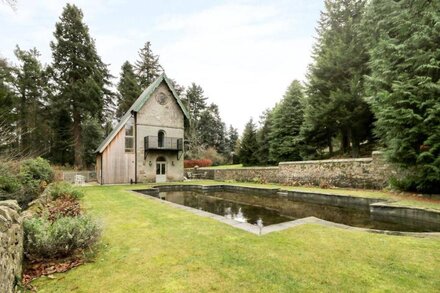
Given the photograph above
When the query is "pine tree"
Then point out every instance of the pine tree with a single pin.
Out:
(92, 136)
(128, 89)
(405, 86)
(231, 138)
(212, 129)
(82, 79)
(147, 67)
(30, 89)
(263, 138)
(248, 145)
(287, 118)
(335, 89)
(8, 117)
(195, 102)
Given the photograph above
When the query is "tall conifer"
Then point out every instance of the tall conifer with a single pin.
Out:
(80, 75)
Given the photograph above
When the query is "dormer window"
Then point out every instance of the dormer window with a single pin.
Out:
(129, 136)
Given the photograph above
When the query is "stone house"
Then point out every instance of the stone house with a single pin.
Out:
(147, 144)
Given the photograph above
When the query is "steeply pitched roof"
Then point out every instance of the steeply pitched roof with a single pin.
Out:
(137, 106)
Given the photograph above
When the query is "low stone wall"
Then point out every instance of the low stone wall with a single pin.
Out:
(371, 172)
(251, 174)
(11, 245)
(356, 173)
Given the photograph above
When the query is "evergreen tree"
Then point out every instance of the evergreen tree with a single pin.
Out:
(147, 67)
(62, 149)
(405, 86)
(195, 103)
(248, 145)
(287, 118)
(335, 88)
(263, 138)
(29, 84)
(7, 108)
(92, 136)
(128, 89)
(212, 129)
(80, 76)
(231, 138)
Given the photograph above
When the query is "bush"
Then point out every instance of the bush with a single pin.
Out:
(64, 189)
(212, 155)
(9, 182)
(35, 174)
(60, 238)
(200, 163)
(36, 170)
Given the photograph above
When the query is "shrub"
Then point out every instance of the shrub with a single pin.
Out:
(64, 189)
(9, 182)
(60, 238)
(212, 155)
(200, 163)
(62, 207)
(35, 174)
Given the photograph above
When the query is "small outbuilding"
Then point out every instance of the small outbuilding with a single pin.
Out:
(147, 145)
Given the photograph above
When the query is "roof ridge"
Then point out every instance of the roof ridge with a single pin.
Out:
(138, 104)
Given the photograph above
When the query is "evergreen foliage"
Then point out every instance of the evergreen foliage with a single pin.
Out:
(92, 135)
(263, 138)
(147, 67)
(231, 140)
(405, 86)
(286, 120)
(128, 89)
(248, 145)
(335, 89)
(31, 92)
(212, 129)
(80, 76)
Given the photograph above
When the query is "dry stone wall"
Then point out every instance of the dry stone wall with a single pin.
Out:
(11, 245)
(371, 172)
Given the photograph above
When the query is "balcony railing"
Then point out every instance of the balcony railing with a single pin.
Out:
(165, 143)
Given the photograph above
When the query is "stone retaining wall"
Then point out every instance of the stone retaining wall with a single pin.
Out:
(11, 245)
(355, 173)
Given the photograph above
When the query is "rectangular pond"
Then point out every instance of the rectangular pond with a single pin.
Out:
(248, 207)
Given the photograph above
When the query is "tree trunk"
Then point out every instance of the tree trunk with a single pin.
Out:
(345, 141)
(355, 145)
(330, 145)
(24, 141)
(77, 139)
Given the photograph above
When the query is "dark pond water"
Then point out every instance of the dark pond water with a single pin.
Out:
(274, 209)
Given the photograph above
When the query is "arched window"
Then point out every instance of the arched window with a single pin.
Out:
(161, 138)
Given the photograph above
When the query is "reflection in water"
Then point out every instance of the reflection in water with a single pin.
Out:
(272, 209)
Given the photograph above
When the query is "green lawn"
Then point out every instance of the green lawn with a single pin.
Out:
(148, 246)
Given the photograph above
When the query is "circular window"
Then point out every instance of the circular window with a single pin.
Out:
(161, 98)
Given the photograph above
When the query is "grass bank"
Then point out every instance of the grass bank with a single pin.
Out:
(148, 246)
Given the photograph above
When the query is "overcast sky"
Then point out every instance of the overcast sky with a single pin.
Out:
(243, 53)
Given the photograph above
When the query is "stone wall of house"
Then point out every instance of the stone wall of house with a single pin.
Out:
(356, 173)
(11, 245)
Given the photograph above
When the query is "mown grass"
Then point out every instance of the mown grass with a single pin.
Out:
(148, 246)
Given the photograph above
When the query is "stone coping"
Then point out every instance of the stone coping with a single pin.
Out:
(327, 161)
(254, 229)
(237, 169)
